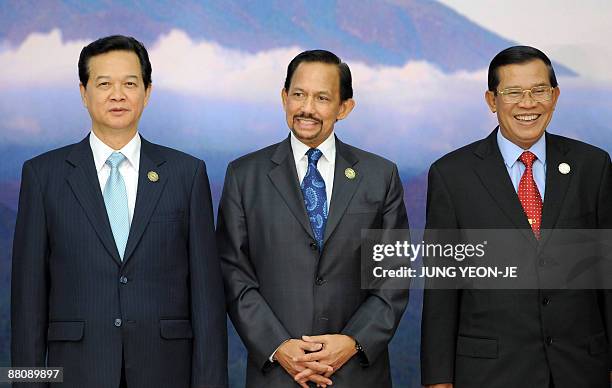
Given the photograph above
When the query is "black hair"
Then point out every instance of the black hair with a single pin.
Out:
(323, 56)
(518, 55)
(114, 43)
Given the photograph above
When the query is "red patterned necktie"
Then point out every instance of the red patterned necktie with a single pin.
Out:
(529, 195)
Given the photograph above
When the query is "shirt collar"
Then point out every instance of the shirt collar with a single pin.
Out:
(511, 152)
(327, 148)
(101, 151)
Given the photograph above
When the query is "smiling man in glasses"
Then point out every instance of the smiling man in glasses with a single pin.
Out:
(519, 177)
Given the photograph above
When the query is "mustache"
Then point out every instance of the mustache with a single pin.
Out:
(307, 117)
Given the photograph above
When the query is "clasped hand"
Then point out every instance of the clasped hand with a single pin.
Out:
(327, 354)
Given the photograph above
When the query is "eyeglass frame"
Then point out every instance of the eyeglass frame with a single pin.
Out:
(530, 90)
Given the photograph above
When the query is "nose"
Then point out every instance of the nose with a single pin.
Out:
(308, 105)
(117, 93)
(527, 100)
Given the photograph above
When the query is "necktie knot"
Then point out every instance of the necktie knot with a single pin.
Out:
(527, 158)
(314, 154)
(115, 159)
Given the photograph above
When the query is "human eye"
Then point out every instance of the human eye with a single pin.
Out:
(540, 91)
(323, 98)
(513, 92)
(130, 84)
(103, 84)
(297, 94)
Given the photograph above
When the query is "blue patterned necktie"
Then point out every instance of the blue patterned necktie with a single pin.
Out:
(115, 199)
(315, 197)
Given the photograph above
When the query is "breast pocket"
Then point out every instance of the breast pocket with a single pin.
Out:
(176, 216)
(362, 209)
(583, 220)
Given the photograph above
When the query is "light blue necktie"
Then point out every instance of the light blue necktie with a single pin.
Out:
(115, 199)
(315, 197)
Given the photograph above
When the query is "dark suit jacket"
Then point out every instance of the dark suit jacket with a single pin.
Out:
(75, 304)
(502, 338)
(279, 287)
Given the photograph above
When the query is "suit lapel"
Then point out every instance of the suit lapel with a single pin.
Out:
(556, 183)
(343, 189)
(148, 193)
(83, 181)
(493, 175)
(285, 179)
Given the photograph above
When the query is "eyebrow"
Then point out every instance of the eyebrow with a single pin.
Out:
(316, 92)
(532, 86)
(108, 77)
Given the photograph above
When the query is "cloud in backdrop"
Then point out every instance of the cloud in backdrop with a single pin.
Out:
(200, 87)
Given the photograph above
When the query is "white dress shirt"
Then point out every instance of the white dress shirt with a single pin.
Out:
(325, 165)
(128, 169)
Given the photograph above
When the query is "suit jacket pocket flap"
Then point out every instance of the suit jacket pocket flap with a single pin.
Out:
(176, 329)
(477, 347)
(168, 217)
(598, 344)
(65, 331)
(362, 208)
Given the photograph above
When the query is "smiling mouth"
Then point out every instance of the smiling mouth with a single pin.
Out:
(527, 118)
(306, 121)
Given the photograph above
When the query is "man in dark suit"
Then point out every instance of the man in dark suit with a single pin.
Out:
(288, 232)
(519, 177)
(115, 275)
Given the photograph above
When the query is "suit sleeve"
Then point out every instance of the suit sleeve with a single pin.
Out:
(253, 319)
(440, 306)
(29, 282)
(375, 321)
(604, 221)
(209, 361)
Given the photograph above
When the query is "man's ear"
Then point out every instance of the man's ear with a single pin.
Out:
(284, 97)
(83, 94)
(346, 107)
(490, 99)
(148, 94)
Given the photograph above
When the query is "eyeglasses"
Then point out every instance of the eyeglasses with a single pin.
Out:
(514, 95)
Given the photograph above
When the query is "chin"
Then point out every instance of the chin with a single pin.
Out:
(305, 135)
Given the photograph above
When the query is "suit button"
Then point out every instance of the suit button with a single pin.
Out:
(320, 281)
(545, 301)
(118, 322)
(314, 246)
(123, 280)
(549, 341)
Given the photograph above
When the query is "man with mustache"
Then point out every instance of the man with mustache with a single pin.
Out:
(116, 276)
(520, 177)
(289, 232)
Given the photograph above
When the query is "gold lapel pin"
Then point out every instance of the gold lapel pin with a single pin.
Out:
(531, 221)
(350, 173)
(564, 168)
(152, 175)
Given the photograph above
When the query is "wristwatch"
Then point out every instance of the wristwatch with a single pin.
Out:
(358, 347)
